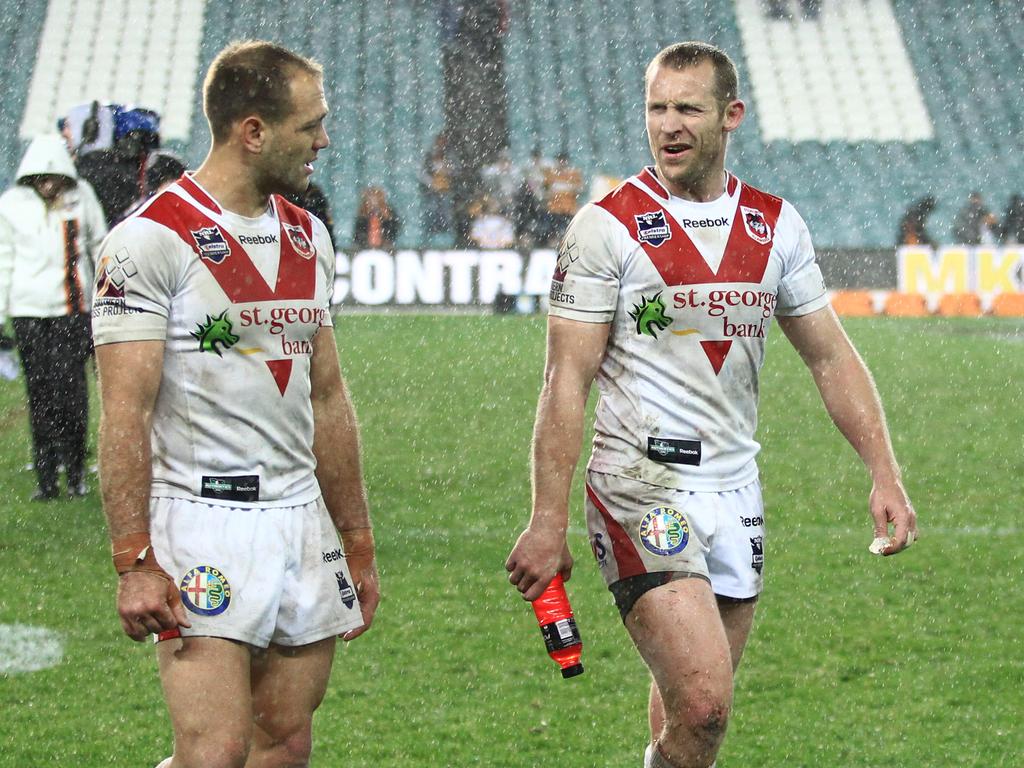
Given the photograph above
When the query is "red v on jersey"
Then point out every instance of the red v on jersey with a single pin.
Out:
(227, 260)
(677, 259)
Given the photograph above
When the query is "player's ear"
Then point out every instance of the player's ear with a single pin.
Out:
(252, 133)
(734, 112)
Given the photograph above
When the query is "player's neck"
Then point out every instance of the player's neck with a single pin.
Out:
(231, 186)
(708, 187)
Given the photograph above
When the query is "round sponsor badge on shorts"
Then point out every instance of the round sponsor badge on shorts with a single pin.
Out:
(205, 590)
(664, 531)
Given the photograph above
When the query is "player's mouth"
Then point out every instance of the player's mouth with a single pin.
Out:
(674, 151)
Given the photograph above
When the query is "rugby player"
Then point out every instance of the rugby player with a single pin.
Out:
(664, 292)
(229, 448)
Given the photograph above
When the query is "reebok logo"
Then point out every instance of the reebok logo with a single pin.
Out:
(700, 223)
(257, 240)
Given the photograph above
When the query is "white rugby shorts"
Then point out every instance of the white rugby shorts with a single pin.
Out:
(637, 528)
(260, 576)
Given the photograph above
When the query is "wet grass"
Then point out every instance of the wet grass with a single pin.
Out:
(855, 661)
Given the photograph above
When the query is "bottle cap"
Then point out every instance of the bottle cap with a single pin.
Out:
(575, 669)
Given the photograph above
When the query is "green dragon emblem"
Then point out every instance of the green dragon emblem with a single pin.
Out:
(650, 315)
(216, 330)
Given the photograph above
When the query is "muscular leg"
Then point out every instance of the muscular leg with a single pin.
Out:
(288, 685)
(678, 630)
(206, 682)
(737, 618)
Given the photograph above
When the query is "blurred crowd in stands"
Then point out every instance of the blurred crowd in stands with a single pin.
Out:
(515, 207)
(975, 223)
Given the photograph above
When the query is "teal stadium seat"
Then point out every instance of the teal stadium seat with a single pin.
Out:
(574, 79)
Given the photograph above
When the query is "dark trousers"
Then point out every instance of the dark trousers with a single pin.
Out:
(53, 352)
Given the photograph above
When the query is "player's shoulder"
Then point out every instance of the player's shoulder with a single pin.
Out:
(142, 232)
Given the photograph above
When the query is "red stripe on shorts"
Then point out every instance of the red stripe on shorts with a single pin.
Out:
(626, 557)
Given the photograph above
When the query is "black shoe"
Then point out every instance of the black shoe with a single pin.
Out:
(77, 490)
(45, 493)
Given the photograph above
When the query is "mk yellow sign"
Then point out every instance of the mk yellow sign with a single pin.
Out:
(961, 269)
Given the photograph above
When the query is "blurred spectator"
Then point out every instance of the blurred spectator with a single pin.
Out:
(436, 180)
(51, 225)
(162, 170)
(536, 171)
(501, 181)
(314, 200)
(491, 227)
(377, 225)
(975, 224)
(528, 216)
(913, 225)
(562, 186)
(117, 174)
(1012, 229)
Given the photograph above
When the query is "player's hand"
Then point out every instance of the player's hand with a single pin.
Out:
(363, 569)
(535, 559)
(889, 505)
(149, 603)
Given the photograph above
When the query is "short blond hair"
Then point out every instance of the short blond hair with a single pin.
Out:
(693, 53)
(251, 77)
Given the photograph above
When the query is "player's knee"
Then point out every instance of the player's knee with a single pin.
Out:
(286, 748)
(214, 751)
(295, 749)
(700, 723)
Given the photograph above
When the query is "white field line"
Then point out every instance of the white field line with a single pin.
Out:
(25, 648)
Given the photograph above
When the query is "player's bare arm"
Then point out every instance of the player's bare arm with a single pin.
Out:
(852, 401)
(574, 353)
(339, 472)
(129, 374)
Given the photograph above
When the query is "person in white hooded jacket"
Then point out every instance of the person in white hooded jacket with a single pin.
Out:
(51, 226)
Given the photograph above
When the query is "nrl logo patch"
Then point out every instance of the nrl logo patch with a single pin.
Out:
(755, 224)
(211, 244)
(652, 227)
(757, 553)
(299, 241)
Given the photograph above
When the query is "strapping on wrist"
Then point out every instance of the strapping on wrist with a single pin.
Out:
(133, 553)
(358, 540)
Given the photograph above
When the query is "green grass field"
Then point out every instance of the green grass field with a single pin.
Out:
(855, 661)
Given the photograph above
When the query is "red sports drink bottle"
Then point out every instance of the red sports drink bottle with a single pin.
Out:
(562, 638)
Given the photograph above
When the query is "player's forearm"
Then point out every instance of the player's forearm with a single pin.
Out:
(339, 471)
(126, 471)
(557, 439)
(852, 401)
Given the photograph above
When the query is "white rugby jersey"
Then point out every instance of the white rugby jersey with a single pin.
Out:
(690, 290)
(237, 302)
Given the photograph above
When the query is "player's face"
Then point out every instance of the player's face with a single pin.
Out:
(686, 128)
(296, 140)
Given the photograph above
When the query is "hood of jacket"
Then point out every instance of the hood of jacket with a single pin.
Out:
(47, 154)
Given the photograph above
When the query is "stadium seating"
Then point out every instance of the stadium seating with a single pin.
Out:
(935, 78)
(125, 52)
